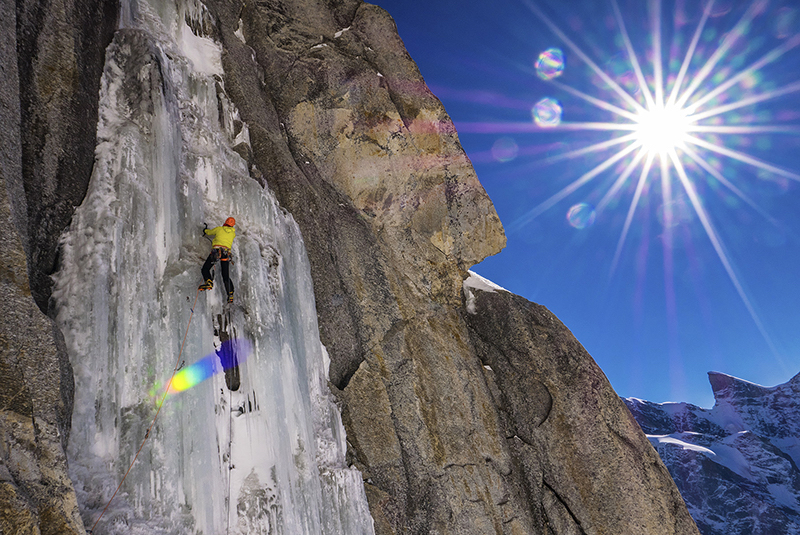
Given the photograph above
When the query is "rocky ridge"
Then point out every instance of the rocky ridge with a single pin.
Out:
(735, 464)
(51, 59)
(578, 451)
(467, 410)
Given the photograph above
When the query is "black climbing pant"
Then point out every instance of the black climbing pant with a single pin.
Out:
(224, 257)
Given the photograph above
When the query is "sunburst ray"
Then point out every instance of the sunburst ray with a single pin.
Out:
(580, 181)
(578, 52)
(602, 104)
(745, 129)
(637, 68)
(690, 53)
(658, 66)
(716, 243)
(596, 147)
(620, 181)
(742, 157)
(675, 122)
(765, 60)
(634, 203)
(749, 101)
(727, 183)
(728, 41)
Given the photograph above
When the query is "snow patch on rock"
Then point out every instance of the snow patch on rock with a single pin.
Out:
(476, 282)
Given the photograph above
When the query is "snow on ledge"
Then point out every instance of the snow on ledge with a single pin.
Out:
(476, 282)
(479, 283)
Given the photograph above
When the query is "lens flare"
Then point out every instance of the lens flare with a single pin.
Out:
(547, 112)
(581, 216)
(787, 22)
(721, 7)
(550, 64)
(674, 119)
(505, 149)
(230, 354)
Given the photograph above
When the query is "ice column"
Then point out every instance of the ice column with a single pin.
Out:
(266, 457)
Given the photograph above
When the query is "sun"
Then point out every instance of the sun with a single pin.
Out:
(681, 119)
(662, 128)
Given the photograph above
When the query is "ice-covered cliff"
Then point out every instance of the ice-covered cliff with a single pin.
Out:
(266, 457)
(735, 464)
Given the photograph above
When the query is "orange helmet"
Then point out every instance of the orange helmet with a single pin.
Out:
(230, 222)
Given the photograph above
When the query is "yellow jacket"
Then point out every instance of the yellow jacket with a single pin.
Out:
(223, 236)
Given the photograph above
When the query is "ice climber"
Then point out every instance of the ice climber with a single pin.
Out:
(220, 250)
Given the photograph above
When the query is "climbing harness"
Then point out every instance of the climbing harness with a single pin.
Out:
(223, 253)
(178, 365)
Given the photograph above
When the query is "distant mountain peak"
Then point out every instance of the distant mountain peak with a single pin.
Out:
(726, 386)
(736, 464)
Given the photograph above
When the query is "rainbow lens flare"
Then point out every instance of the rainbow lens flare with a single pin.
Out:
(581, 215)
(547, 112)
(230, 354)
(550, 64)
(505, 149)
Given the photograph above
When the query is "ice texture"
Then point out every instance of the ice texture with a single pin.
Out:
(268, 457)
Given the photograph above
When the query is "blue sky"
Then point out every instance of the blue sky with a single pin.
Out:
(706, 277)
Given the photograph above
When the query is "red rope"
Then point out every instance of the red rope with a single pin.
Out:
(164, 397)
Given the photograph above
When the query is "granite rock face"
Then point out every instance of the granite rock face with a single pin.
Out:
(346, 132)
(356, 147)
(578, 454)
(735, 464)
(50, 59)
(36, 494)
(60, 51)
(366, 159)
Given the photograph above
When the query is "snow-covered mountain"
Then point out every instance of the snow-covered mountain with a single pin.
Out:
(735, 464)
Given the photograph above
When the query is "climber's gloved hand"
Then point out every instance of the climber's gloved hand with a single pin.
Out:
(205, 227)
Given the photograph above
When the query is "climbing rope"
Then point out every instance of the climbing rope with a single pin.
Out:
(230, 455)
(163, 398)
(230, 430)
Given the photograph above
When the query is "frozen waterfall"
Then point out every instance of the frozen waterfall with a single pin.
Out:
(266, 457)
